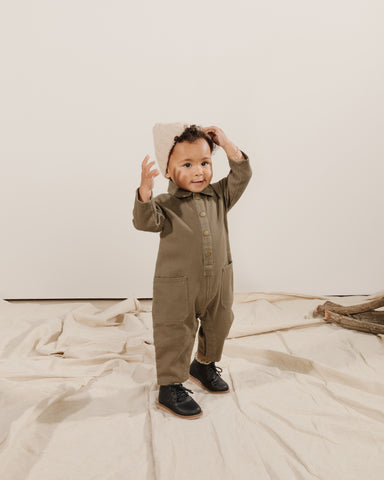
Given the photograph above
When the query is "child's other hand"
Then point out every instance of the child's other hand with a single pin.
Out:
(217, 135)
(147, 179)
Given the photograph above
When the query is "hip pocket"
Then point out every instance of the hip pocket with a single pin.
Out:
(170, 299)
(226, 293)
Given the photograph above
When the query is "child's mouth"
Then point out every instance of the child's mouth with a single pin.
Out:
(199, 183)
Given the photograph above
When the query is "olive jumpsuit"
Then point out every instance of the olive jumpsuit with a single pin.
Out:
(193, 276)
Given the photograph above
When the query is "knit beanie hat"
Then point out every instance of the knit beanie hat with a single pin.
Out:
(164, 137)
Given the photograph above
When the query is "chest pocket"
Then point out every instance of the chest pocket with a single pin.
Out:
(226, 293)
(170, 300)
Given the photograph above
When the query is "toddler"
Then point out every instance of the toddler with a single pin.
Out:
(193, 278)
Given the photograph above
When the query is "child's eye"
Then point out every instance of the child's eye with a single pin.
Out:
(187, 164)
(206, 163)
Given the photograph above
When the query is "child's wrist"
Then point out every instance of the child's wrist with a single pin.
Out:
(233, 151)
(144, 194)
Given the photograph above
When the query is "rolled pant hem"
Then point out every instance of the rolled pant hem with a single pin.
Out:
(215, 359)
(169, 380)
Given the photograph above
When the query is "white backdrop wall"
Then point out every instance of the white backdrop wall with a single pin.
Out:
(297, 85)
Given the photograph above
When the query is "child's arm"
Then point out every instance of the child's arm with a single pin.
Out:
(232, 186)
(147, 214)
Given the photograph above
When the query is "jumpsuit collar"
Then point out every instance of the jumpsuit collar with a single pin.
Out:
(173, 189)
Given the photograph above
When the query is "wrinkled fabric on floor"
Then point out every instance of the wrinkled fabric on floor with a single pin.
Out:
(78, 391)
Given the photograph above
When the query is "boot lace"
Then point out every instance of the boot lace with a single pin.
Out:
(214, 371)
(181, 392)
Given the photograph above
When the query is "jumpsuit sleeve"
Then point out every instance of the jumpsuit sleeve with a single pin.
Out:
(234, 184)
(147, 216)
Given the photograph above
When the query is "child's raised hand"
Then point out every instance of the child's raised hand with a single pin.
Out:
(147, 179)
(217, 135)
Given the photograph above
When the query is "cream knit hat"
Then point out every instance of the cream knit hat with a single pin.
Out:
(164, 137)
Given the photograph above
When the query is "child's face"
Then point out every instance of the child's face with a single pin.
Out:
(190, 165)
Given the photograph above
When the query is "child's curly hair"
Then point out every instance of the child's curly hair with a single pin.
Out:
(191, 134)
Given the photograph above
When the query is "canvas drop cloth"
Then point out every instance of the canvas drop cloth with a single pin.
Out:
(78, 391)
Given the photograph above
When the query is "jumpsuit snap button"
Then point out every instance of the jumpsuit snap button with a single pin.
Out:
(202, 214)
(206, 233)
(207, 254)
(197, 196)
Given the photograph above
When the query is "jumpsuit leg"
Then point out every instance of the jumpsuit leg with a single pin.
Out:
(217, 318)
(174, 328)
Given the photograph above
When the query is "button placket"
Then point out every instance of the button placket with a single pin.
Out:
(204, 224)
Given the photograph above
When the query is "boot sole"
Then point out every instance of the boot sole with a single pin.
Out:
(197, 381)
(188, 417)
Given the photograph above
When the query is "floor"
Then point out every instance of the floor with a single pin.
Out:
(102, 304)
(79, 395)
